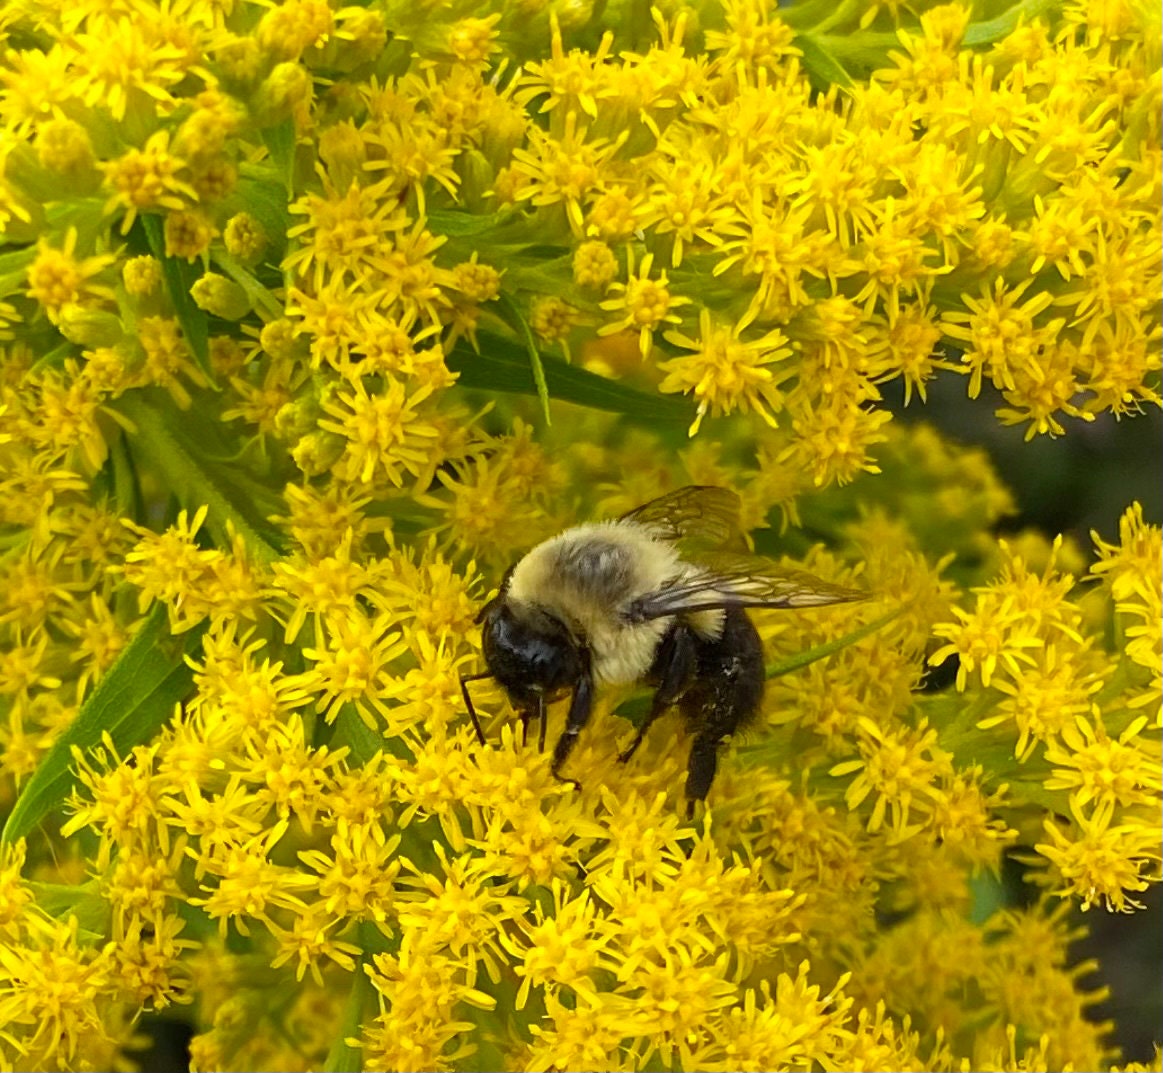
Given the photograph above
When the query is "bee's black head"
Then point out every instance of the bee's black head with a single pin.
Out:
(528, 651)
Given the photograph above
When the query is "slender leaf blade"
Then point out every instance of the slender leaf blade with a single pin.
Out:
(343, 1058)
(131, 703)
(180, 276)
(280, 141)
(809, 656)
(503, 366)
(986, 33)
(517, 320)
(822, 66)
(194, 477)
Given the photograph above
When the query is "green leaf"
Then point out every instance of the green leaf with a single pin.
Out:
(987, 895)
(180, 276)
(55, 358)
(126, 494)
(463, 224)
(503, 366)
(342, 1057)
(516, 320)
(178, 448)
(131, 702)
(803, 659)
(823, 68)
(986, 33)
(260, 296)
(856, 55)
(14, 268)
(83, 901)
(351, 731)
(264, 196)
(280, 142)
(86, 214)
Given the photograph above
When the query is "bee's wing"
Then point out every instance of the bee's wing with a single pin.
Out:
(739, 581)
(701, 513)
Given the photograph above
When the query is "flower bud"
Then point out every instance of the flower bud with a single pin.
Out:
(284, 91)
(89, 327)
(220, 296)
(244, 237)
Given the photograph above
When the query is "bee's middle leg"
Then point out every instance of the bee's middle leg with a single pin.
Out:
(673, 669)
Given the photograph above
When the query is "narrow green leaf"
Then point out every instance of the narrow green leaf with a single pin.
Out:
(260, 296)
(986, 33)
(193, 476)
(855, 55)
(126, 494)
(264, 196)
(463, 224)
(351, 731)
(516, 320)
(83, 901)
(55, 358)
(280, 142)
(131, 702)
(14, 266)
(86, 214)
(343, 1058)
(180, 276)
(823, 68)
(503, 366)
(830, 648)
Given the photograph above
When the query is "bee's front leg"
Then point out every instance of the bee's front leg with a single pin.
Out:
(580, 708)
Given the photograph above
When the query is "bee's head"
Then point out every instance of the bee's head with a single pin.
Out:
(529, 652)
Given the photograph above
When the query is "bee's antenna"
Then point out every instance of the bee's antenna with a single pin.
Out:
(472, 712)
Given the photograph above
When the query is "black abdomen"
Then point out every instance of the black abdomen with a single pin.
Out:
(723, 697)
(728, 681)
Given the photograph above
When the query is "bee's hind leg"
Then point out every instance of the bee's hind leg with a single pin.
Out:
(723, 700)
(673, 668)
(701, 768)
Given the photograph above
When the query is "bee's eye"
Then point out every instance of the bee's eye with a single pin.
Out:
(529, 653)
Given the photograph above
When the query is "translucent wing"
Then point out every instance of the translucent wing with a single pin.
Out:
(739, 581)
(699, 513)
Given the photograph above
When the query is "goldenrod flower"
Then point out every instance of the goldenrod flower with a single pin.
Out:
(564, 170)
(645, 303)
(900, 767)
(727, 373)
(277, 279)
(147, 178)
(56, 279)
(1105, 861)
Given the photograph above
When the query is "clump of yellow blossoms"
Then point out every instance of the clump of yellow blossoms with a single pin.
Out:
(274, 280)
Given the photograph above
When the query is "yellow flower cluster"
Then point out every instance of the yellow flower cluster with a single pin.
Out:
(273, 277)
(1073, 708)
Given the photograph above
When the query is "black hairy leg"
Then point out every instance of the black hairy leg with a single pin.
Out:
(580, 707)
(671, 672)
(722, 698)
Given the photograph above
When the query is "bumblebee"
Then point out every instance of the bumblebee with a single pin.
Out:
(651, 598)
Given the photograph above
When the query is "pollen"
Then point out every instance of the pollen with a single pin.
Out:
(473, 40)
(56, 278)
(645, 303)
(147, 178)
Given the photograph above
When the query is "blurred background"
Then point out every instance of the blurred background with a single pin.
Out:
(1076, 483)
